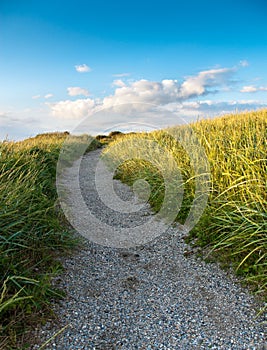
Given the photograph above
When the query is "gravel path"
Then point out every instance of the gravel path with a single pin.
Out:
(150, 296)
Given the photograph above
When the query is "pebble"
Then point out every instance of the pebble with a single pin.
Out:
(150, 296)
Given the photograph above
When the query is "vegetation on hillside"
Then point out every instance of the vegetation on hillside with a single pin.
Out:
(32, 233)
(233, 227)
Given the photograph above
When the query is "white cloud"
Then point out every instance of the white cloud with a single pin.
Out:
(48, 96)
(119, 83)
(17, 126)
(251, 88)
(168, 94)
(244, 63)
(190, 110)
(72, 109)
(199, 84)
(169, 90)
(83, 68)
(76, 91)
(39, 96)
(142, 91)
(154, 103)
(3, 118)
(248, 89)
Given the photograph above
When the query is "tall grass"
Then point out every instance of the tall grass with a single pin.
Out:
(32, 233)
(235, 222)
(233, 227)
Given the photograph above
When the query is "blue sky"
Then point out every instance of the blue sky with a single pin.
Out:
(63, 62)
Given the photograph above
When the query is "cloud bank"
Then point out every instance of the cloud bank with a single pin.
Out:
(163, 93)
(136, 103)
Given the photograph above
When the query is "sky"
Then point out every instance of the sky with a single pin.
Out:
(124, 64)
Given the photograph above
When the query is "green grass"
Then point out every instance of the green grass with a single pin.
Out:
(233, 227)
(32, 233)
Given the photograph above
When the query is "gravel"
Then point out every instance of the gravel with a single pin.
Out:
(155, 295)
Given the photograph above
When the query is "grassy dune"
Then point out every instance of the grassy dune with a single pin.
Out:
(233, 227)
(32, 233)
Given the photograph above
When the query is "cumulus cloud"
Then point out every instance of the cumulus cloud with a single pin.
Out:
(154, 103)
(146, 95)
(251, 88)
(199, 84)
(83, 68)
(72, 109)
(169, 90)
(76, 91)
(138, 91)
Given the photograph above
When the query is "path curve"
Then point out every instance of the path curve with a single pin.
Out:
(153, 296)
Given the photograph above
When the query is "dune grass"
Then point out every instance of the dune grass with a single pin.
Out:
(235, 222)
(32, 234)
(233, 227)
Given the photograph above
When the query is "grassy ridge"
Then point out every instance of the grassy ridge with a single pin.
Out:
(31, 232)
(234, 224)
